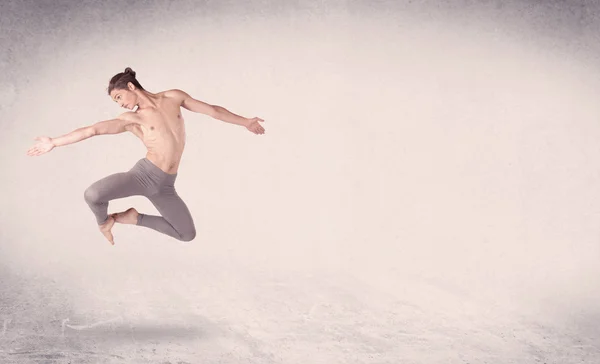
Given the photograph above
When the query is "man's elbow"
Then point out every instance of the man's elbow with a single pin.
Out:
(214, 111)
(90, 131)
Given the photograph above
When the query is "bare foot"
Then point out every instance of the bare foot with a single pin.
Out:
(129, 216)
(106, 227)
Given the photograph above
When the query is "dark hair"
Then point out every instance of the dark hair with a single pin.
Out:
(120, 80)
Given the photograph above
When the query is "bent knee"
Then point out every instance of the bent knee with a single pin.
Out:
(91, 195)
(188, 235)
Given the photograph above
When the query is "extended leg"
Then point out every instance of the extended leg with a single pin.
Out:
(176, 220)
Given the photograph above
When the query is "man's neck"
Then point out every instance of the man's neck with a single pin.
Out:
(145, 100)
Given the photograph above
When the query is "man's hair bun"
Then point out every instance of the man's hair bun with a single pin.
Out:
(130, 71)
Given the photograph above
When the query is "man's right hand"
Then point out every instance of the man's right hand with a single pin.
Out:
(44, 145)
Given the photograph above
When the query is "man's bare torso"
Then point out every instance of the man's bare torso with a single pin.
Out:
(162, 130)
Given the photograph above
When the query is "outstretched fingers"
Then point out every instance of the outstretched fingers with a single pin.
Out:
(256, 127)
(32, 151)
(35, 151)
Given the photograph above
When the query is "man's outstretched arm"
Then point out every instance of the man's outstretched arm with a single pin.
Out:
(113, 126)
(217, 112)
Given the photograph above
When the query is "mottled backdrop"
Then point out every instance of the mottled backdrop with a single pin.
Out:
(427, 191)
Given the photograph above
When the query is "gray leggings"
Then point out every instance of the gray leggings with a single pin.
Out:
(145, 179)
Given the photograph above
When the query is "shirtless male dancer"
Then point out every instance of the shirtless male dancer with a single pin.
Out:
(157, 121)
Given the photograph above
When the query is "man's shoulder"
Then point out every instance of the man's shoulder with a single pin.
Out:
(129, 116)
(175, 94)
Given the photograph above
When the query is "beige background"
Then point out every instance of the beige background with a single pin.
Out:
(426, 191)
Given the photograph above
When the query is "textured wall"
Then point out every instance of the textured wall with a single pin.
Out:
(427, 188)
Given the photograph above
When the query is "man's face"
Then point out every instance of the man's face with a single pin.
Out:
(125, 98)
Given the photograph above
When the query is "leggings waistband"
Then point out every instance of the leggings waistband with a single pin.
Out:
(148, 166)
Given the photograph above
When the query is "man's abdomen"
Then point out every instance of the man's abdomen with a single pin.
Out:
(166, 155)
